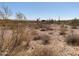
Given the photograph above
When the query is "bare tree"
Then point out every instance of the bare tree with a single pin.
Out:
(5, 12)
(20, 16)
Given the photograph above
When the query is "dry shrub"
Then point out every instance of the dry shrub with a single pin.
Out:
(46, 28)
(43, 29)
(25, 34)
(10, 41)
(14, 40)
(73, 40)
(74, 27)
(36, 38)
(7, 42)
(66, 26)
(62, 33)
(22, 50)
(40, 50)
(24, 40)
(49, 28)
(36, 50)
(50, 33)
(45, 39)
(63, 30)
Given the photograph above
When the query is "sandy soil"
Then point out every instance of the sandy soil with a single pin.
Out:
(57, 45)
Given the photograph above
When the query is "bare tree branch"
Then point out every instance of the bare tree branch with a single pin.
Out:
(20, 16)
(5, 12)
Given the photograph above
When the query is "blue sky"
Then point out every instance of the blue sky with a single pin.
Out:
(45, 10)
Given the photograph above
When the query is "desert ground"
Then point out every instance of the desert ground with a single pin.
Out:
(39, 40)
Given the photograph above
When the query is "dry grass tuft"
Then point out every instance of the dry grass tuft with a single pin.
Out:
(45, 39)
(43, 29)
(63, 30)
(73, 40)
(40, 50)
(74, 27)
(46, 28)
